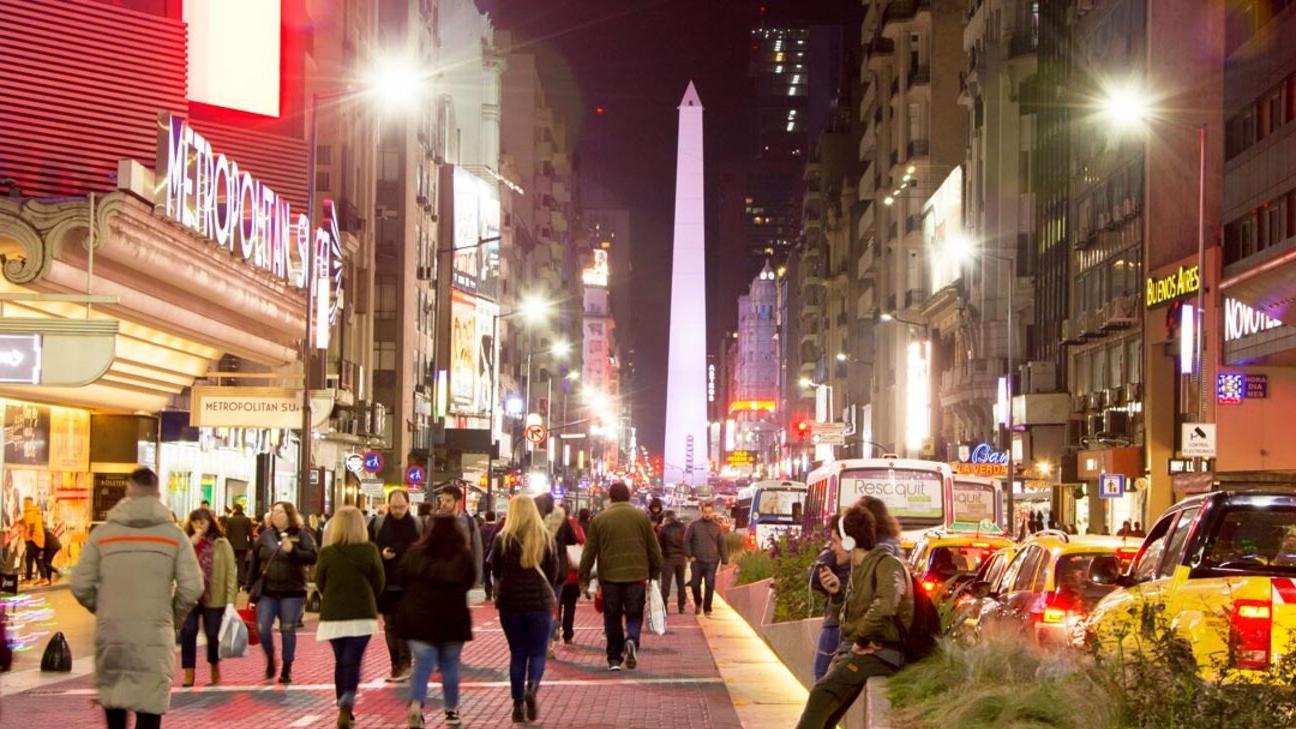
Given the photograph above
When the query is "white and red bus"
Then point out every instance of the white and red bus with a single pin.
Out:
(919, 494)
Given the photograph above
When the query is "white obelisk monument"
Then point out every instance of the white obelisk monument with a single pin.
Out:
(685, 457)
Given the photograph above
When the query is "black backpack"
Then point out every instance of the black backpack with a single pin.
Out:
(919, 640)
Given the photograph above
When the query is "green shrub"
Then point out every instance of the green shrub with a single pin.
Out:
(735, 544)
(793, 598)
(753, 566)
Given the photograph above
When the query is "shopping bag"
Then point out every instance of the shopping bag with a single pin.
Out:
(233, 634)
(58, 655)
(574, 553)
(248, 614)
(656, 608)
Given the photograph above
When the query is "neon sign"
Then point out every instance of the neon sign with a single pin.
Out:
(1182, 282)
(1240, 321)
(209, 194)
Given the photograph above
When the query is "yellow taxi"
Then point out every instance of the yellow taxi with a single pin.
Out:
(944, 557)
(1217, 573)
(1045, 591)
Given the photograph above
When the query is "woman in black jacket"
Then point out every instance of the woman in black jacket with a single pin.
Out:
(279, 561)
(436, 574)
(525, 566)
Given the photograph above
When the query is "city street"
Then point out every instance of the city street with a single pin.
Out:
(677, 684)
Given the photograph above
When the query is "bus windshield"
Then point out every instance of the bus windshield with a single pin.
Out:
(974, 502)
(914, 497)
(778, 505)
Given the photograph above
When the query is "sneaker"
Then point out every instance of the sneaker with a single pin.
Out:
(708, 613)
(614, 666)
(631, 657)
(399, 676)
(550, 653)
(451, 718)
(414, 716)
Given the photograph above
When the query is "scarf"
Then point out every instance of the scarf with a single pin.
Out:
(206, 551)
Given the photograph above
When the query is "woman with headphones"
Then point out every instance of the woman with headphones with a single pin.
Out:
(879, 604)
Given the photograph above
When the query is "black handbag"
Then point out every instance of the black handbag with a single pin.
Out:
(58, 656)
(9, 582)
(254, 590)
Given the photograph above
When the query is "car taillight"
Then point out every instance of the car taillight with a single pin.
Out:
(1057, 608)
(1250, 633)
(1126, 554)
(929, 585)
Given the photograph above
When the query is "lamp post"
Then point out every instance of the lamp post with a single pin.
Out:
(560, 349)
(394, 80)
(531, 309)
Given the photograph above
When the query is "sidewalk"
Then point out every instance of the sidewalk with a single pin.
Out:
(677, 686)
(764, 692)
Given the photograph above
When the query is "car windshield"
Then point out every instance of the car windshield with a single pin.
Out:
(1256, 538)
(1072, 578)
(947, 562)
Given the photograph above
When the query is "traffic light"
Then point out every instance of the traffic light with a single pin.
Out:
(802, 429)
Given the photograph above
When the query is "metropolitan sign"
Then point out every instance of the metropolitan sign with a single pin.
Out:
(251, 407)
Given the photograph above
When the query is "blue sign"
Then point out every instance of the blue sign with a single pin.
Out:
(985, 454)
(1111, 485)
(374, 462)
(416, 475)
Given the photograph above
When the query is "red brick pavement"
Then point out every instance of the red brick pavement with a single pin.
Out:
(676, 686)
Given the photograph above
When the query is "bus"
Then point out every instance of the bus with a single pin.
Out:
(918, 493)
(976, 500)
(768, 509)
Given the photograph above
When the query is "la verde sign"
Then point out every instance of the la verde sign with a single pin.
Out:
(211, 195)
(1184, 281)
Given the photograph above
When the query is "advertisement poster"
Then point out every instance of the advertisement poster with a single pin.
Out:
(69, 440)
(463, 354)
(487, 355)
(476, 219)
(26, 435)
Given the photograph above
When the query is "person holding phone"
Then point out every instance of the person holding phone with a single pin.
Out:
(283, 552)
(828, 576)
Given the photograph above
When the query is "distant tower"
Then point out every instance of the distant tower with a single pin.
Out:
(685, 459)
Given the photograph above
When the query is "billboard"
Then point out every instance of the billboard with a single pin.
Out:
(943, 229)
(599, 271)
(473, 354)
(476, 218)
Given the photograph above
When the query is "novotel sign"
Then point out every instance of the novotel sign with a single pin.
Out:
(211, 195)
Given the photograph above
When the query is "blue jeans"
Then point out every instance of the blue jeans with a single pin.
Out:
(829, 639)
(528, 638)
(622, 600)
(427, 658)
(211, 620)
(703, 571)
(348, 653)
(288, 610)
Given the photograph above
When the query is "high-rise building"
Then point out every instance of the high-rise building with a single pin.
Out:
(754, 403)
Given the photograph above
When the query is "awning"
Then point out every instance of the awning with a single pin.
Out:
(1266, 281)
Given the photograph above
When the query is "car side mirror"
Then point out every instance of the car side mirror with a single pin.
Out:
(980, 589)
(1105, 570)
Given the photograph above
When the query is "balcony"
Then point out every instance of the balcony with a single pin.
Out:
(1119, 313)
(919, 76)
(919, 148)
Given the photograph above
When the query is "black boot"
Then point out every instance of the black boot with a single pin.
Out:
(532, 705)
(519, 715)
(285, 677)
(270, 667)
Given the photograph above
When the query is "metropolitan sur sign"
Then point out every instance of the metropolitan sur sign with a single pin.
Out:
(250, 407)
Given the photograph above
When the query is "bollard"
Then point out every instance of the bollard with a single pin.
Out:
(58, 656)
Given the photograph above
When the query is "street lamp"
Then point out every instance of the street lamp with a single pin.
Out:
(394, 81)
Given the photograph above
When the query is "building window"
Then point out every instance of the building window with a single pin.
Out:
(390, 168)
(322, 180)
(385, 298)
(1275, 224)
(323, 154)
(384, 355)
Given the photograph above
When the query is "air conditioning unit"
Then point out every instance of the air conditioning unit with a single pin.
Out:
(421, 199)
(382, 212)
(1093, 425)
(1115, 395)
(1071, 332)
(1116, 422)
(1097, 399)
(423, 273)
(1079, 403)
(1133, 392)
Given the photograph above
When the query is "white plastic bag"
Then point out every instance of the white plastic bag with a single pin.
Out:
(656, 608)
(233, 634)
(574, 554)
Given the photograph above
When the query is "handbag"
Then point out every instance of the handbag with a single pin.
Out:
(656, 608)
(254, 591)
(574, 554)
(248, 616)
(233, 634)
(57, 656)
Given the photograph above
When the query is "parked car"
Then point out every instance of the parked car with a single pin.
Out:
(1046, 591)
(1218, 571)
(945, 557)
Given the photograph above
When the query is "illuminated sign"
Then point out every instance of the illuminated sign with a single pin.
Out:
(752, 406)
(598, 273)
(20, 358)
(476, 234)
(1240, 320)
(711, 382)
(984, 461)
(741, 458)
(1231, 388)
(207, 193)
(1182, 282)
(918, 395)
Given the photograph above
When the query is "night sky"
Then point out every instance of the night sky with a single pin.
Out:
(634, 59)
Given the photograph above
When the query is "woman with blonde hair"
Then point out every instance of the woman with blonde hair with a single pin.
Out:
(525, 566)
(349, 575)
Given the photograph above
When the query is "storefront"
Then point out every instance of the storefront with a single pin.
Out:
(1113, 490)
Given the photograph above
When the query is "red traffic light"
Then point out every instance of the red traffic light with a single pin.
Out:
(802, 428)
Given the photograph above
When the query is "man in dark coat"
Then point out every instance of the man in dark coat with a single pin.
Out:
(394, 533)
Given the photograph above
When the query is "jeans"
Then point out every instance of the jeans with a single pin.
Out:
(289, 611)
(528, 637)
(567, 609)
(488, 581)
(832, 696)
(429, 657)
(398, 649)
(622, 600)
(829, 638)
(34, 555)
(211, 620)
(704, 571)
(348, 654)
(117, 719)
(673, 568)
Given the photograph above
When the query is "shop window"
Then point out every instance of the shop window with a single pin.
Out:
(1116, 364)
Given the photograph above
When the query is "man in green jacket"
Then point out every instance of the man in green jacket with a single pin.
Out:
(621, 539)
(879, 601)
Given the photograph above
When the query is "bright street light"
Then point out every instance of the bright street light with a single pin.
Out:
(396, 80)
(842, 356)
(1044, 467)
(960, 247)
(887, 316)
(534, 308)
(561, 348)
(1126, 106)
(807, 382)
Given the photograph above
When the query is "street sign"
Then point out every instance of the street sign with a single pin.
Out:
(536, 434)
(1111, 485)
(374, 462)
(1198, 440)
(355, 463)
(371, 488)
(416, 475)
(833, 434)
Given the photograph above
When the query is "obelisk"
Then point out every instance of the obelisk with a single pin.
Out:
(685, 457)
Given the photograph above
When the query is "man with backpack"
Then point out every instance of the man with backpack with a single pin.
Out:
(879, 631)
